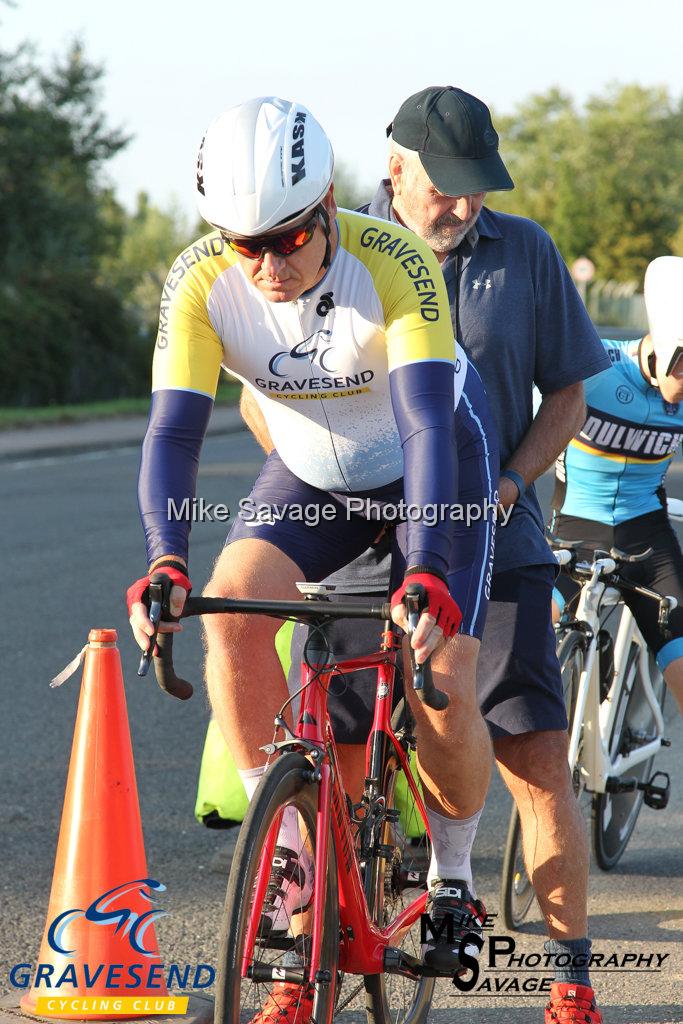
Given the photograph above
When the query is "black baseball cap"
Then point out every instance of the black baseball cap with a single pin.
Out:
(453, 133)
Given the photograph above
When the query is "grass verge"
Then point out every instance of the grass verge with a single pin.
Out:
(43, 416)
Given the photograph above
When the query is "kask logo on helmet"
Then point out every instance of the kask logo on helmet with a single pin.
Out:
(298, 168)
(200, 168)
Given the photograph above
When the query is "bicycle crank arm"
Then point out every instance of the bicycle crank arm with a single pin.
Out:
(615, 784)
(397, 961)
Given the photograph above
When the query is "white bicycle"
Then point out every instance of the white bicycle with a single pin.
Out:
(614, 694)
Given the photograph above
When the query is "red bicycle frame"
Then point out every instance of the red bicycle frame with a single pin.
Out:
(362, 943)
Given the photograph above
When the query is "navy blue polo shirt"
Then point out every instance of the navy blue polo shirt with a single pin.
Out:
(520, 319)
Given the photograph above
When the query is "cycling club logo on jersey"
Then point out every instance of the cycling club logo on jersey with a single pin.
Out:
(111, 909)
(309, 348)
(624, 394)
(314, 351)
(609, 434)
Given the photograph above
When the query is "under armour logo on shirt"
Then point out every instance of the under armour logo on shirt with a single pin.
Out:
(486, 283)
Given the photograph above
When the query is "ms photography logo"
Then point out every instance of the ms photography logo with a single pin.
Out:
(134, 972)
(502, 971)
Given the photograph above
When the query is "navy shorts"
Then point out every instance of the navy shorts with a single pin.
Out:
(321, 533)
(518, 679)
(518, 676)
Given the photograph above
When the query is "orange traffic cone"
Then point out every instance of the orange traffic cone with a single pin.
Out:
(101, 909)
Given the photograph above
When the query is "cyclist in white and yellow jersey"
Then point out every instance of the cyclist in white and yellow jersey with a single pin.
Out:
(339, 325)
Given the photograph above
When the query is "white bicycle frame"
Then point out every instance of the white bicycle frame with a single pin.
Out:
(593, 720)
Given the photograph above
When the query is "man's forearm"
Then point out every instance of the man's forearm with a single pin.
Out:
(559, 417)
(254, 419)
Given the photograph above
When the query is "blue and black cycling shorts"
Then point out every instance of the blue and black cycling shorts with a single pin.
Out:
(662, 571)
(321, 541)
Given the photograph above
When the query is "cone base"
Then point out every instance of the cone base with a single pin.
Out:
(199, 1011)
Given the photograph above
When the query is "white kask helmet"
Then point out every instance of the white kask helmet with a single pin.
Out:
(262, 165)
(664, 301)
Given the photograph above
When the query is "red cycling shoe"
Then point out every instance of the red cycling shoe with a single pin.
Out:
(286, 1004)
(572, 1004)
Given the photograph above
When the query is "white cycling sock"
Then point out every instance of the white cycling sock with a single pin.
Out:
(289, 834)
(452, 841)
(250, 779)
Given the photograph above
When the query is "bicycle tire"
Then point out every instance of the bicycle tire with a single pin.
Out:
(391, 998)
(614, 815)
(516, 891)
(286, 783)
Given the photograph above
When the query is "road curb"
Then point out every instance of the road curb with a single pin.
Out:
(84, 447)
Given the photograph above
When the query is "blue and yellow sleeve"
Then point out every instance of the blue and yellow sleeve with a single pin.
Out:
(421, 360)
(185, 372)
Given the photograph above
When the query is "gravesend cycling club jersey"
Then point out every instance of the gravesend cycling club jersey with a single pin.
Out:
(614, 467)
(343, 375)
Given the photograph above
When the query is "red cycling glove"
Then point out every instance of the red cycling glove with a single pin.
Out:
(138, 590)
(440, 604)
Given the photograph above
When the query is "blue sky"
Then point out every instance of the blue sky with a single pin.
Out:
(171, 66)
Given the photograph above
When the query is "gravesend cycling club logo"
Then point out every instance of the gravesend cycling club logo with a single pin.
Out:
(107, 911)
(318, 344)
(317, 350)
(128, 911)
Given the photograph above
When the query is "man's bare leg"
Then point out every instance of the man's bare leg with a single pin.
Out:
(534, 768)
(673, 676)
(453, 746)
(243, 673)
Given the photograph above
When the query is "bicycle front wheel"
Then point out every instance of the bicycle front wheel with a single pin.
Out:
(254, 985)
(393, 883)
(615, 814)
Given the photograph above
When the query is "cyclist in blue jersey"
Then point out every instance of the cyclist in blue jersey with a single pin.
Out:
(610, 480)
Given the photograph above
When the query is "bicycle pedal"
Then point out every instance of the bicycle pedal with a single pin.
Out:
(656, 796)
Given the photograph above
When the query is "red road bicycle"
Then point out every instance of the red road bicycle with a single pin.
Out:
(362, 879)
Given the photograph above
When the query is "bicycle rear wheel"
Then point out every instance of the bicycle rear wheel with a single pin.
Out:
(517, 893)
(615, 814)
(391, 884)
(240, 1000)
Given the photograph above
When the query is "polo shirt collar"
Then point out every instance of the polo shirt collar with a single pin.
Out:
(381, 207)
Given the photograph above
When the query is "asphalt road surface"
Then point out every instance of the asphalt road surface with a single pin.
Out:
(73, 544)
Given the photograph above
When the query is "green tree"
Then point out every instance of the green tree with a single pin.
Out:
(604, 181)
(64, 333)
(149, 241)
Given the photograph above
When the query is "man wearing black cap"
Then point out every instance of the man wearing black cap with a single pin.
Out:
(518, 316)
